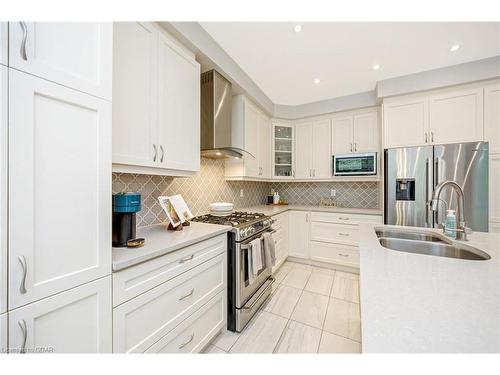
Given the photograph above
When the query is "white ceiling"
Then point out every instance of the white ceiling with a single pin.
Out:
(284, 64)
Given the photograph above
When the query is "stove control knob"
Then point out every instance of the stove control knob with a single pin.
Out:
(244, 232)
(251, 231)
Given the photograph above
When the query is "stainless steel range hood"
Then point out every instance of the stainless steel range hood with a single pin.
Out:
(216, 106)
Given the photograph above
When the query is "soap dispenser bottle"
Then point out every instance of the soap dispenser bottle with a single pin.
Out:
(450, 224)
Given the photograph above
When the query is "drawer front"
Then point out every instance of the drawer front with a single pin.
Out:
(138, 279)
(350, 219)
(194, 333)
(338, 233)
(142, 321)
(337, 254)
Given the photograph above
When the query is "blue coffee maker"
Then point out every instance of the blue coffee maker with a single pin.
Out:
(125, 207)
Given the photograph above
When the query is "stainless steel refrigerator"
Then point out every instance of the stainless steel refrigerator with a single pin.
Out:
(412, 173)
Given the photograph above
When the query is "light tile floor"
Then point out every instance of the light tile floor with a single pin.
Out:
(311, 310)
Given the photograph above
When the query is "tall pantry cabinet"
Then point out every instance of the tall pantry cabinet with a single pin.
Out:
(59, 202)
(3, 184)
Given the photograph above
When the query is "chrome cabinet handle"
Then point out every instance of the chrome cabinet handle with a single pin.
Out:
(344, 234)
(162, 154)
(23, 42)
(181, 298)
(343, 218)
(24, 265)
(186, 259)
(351, 147)
(355, 147)
(156, 152)
(432, 137)
(343, 255)
(24, 330)
(187, 342)
(425, 134)
(314, 172)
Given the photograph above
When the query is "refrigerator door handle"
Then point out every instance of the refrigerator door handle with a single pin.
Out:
(428, 191)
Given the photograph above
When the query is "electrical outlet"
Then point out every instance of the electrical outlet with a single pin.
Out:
(242, 194)
(333, 193)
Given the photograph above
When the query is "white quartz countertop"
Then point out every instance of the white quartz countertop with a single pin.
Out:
(275, 210)
(160, 241)
(422, 303)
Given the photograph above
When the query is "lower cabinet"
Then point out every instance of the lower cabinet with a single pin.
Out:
(178, 314)
(334, 253)
(299, 234)
(78, 320)
(3, 333)
(494, 193)
(281, 239)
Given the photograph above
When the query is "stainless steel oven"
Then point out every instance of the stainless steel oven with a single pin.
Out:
(249, 295)
(355, 164)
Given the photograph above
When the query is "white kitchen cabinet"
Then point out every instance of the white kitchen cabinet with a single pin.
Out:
(281, 238)
(73, 54)
(342, 132)
(456, 116)
(4, 43)
(75, 321)
(303, 150)
(298, 234)
(494, 186)
(406, 121)
(3, 334)
(321, 149)
(135, 87)
(4, 153)
(59, 188)
(492, 117)
(283, 150)
(178, 108)
(156, 102)
(251, 131)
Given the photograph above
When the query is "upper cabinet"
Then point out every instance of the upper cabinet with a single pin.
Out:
(313, 149)
(440, 117)
(156, 94)
(3, 189)
(355, 132)
(492, 116)
(251, 131)
(4, 51)
(283, 150)
(73, 54)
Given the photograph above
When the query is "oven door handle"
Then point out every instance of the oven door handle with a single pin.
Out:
(247, 245)
(271, 282)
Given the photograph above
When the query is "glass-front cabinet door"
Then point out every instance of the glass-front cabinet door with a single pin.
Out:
(283, 151)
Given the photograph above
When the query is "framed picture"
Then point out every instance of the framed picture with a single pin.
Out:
(172, 216)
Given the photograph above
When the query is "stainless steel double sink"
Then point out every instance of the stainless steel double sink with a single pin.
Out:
(427, 243)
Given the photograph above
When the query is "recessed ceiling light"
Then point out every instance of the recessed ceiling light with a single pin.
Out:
(317, 80)
(376, 67)
(218, 153)
(455, 47)
(297, 28)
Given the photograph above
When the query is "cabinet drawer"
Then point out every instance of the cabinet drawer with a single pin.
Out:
(138, 279)
(337, 233)
(194, 333)
(350, 219)
(332, 253)
(140, 322)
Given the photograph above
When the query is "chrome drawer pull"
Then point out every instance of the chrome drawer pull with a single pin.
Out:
(343, 218)
(186, 295)
(343, 255)
(187, 259)
(344, 234)
(24, 330)
(24, 56)
(162, 153)
(187, 342)
(24, 265)
(156, 152)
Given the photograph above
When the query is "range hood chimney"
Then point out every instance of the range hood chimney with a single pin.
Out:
(216, 107)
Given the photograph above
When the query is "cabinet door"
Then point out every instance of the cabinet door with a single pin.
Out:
(366, 132)
(3, 187)
(264, 146)
(494, 189)
(299, 234)
(135, 66)
(342, 142)
(456, 116)
(492, 117)
(75, 54)
(4, 27)
(406, 122)
(303, 150)
(178, 108)
(251, 140)
(321, 149)
(3, 334)
(76, 321)
(59, 188)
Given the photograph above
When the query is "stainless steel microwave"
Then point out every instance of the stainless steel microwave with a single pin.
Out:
(355, 164)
